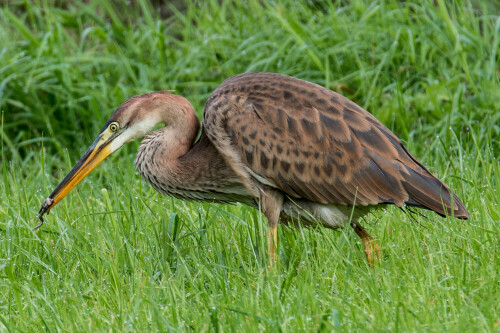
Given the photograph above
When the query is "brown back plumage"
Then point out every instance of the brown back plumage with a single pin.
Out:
(313, 143)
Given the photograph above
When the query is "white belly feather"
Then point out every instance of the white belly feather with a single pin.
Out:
(313, 213)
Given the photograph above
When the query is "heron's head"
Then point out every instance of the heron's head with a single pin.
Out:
(131, 120)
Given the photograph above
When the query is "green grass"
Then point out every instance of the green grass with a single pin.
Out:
(116, 255)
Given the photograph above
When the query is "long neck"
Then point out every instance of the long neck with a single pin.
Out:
(181, 129)
(159, 152)
(174, 165)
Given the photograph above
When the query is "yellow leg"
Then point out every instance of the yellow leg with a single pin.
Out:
(370, 244)
(271, 204)
(272, 243)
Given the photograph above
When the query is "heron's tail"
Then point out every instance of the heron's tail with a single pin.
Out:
(426, 191)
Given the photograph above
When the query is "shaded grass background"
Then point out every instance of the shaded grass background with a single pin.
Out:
(115, 254)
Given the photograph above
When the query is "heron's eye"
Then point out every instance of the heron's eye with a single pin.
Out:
(113, 127)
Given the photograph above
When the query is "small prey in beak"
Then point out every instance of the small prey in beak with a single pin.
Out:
(44, 209)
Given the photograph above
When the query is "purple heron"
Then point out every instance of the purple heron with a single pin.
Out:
(293, 149)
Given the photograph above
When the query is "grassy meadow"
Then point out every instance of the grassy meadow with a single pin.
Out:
(115, 255)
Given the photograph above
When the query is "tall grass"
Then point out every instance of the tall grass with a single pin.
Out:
(115, 254)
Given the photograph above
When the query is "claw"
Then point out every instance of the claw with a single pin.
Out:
(370, 246)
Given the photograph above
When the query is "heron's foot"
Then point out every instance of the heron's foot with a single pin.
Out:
(372, 249)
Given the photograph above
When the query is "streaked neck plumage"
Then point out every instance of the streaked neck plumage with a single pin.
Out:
(171, 161)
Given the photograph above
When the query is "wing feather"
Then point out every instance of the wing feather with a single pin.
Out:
(313, 143)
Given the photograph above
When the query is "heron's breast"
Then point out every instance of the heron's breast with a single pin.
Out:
(187, 180)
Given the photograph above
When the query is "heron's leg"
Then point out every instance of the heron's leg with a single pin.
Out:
(370, 244)
(272, 241)
(271, 202)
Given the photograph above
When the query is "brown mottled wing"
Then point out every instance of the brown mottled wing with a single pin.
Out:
(313, 143)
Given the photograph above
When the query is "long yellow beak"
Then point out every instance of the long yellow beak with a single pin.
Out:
(96, 153)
